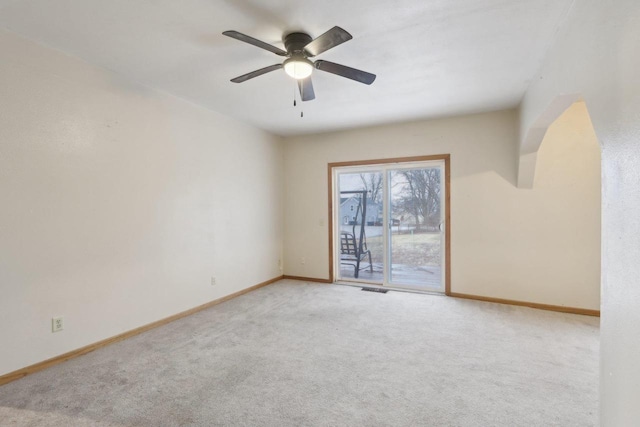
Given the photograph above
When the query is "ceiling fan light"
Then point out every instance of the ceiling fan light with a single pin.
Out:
(298, 68)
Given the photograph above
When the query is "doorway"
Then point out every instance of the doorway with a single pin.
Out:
(390, 223)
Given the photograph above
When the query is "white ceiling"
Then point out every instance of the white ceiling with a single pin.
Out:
(433, 58)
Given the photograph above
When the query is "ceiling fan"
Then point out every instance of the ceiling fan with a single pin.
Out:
(299, 48)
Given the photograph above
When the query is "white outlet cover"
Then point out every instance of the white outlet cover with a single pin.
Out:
(57, 324)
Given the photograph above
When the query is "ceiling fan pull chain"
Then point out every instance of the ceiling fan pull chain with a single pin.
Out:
(295, 97)
(295, 90)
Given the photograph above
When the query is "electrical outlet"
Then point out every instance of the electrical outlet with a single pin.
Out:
(303, 260)
(213, 281)
(57, 324)
(280, 264)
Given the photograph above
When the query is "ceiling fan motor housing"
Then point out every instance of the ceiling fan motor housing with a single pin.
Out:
(295, 43)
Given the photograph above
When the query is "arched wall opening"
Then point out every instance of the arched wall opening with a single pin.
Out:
(568, 175)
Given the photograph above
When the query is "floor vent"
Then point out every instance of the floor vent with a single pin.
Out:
(378, 290)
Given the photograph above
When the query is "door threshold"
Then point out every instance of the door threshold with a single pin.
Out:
(390, 288)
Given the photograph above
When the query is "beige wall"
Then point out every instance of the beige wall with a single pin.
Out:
(540, 245)
(118, 204)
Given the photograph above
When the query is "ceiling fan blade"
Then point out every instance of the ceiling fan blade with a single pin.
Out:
(256, 73)
(344, 71)
(326, 41)
(306, 89)
(248, 39)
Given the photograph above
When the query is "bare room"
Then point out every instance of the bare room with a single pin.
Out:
(286, 213)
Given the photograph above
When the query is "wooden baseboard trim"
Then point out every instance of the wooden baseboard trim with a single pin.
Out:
(307, 279)
(560, 308)
(20, 373)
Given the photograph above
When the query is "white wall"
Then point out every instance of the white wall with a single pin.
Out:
(540, 245)
(118, 204)
(596, 55)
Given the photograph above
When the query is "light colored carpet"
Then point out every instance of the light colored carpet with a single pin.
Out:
(301, 354)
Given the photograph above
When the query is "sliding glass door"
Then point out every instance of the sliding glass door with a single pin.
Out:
(389, 224)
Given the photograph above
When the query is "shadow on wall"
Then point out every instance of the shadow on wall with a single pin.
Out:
(484, 143)
(490, 150)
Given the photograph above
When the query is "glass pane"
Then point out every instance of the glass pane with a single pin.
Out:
(360, 234)
(414, 233)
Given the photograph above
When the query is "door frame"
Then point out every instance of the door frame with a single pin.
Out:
(399, 160)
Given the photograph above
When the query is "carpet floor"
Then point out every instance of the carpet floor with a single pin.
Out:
(304, 354)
